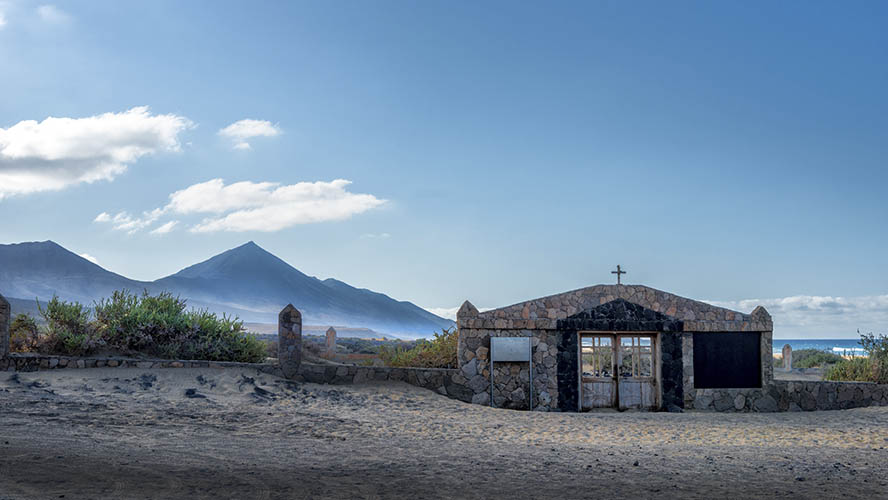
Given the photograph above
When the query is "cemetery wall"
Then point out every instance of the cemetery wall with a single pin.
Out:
(786, 395)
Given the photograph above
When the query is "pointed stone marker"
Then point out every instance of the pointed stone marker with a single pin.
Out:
(787, 357)
(290, 340)
(5, 314)
(331, 341)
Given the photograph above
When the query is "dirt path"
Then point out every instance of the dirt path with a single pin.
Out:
(128, 433)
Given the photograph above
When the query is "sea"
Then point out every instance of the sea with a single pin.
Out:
(838, 346)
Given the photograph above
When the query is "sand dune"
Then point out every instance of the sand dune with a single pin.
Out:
(212, 433)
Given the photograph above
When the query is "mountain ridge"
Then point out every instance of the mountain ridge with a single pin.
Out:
(247, 281)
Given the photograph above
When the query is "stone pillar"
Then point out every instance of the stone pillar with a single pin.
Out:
(331, 341)
(5, 315)
(465, 324)
(290, 340)
(761, 322)
(787, 357)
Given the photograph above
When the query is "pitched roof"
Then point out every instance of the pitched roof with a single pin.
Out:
(544, 313)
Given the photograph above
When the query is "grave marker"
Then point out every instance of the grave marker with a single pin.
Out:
(331, 341)
(787, 357)
(290, 340)
(5, 314)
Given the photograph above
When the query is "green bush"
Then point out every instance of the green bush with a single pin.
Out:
(155, 325)
(871, 368)
(850, 370)
(68, 329)
(24, 334)
(440, 352)
(811, 358)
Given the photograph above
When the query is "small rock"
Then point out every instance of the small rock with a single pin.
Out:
(193, 394)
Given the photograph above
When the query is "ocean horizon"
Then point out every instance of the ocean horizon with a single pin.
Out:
(838, 346)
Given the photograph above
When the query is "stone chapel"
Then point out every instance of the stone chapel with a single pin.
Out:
(614, 346)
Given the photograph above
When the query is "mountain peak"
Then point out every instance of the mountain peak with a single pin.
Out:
(247, 281)
(245, 262)
(249, 246)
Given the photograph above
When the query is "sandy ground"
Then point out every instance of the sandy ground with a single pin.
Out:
(204, 433)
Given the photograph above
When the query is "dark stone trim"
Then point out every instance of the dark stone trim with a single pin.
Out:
(671, 371)
(621, 316)
(568, 371)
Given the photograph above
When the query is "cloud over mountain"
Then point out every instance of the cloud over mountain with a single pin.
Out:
(60, 152)
(252, 206)
(279, 207)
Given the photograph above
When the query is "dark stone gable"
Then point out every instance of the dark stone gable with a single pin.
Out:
(621, 316)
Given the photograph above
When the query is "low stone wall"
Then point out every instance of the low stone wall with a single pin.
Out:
(448, 382)
(786, 395)
(780, 395)
(27, 362)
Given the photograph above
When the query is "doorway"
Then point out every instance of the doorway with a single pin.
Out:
(618, 370)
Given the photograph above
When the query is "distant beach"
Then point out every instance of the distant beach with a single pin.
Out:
(838, 346)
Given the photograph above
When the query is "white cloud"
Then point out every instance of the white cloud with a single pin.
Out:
(802, 316)
(61, 152)
(123, 221)
(214, 196)
(165, 228)
(241, 130)
(90, 258)
(252, 206)
(376, 236)
(52, 14)
(271, 207)
(2, 20)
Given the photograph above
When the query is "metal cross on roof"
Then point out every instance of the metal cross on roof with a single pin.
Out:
(618, 272)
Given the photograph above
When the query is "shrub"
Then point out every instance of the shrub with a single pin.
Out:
(148, 323)
(439, 352)
(68, 329)
(872, 368)
(850, 370)
(810, 358)
(157, 325)
(24, 336)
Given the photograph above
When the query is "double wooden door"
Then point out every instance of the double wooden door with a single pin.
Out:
(618, 370)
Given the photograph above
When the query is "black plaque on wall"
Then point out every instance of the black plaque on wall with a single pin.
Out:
(727, 360)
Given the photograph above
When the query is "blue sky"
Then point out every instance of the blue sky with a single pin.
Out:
(731, 152)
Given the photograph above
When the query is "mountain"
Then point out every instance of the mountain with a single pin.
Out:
(29, 270)
(246, 281)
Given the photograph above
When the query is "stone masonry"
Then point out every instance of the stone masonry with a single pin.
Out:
(539, 319)
(290, 340)
(787, 357)
(331, 341)
(5, 315)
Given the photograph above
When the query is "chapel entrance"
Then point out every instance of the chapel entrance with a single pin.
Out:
(618, 370)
